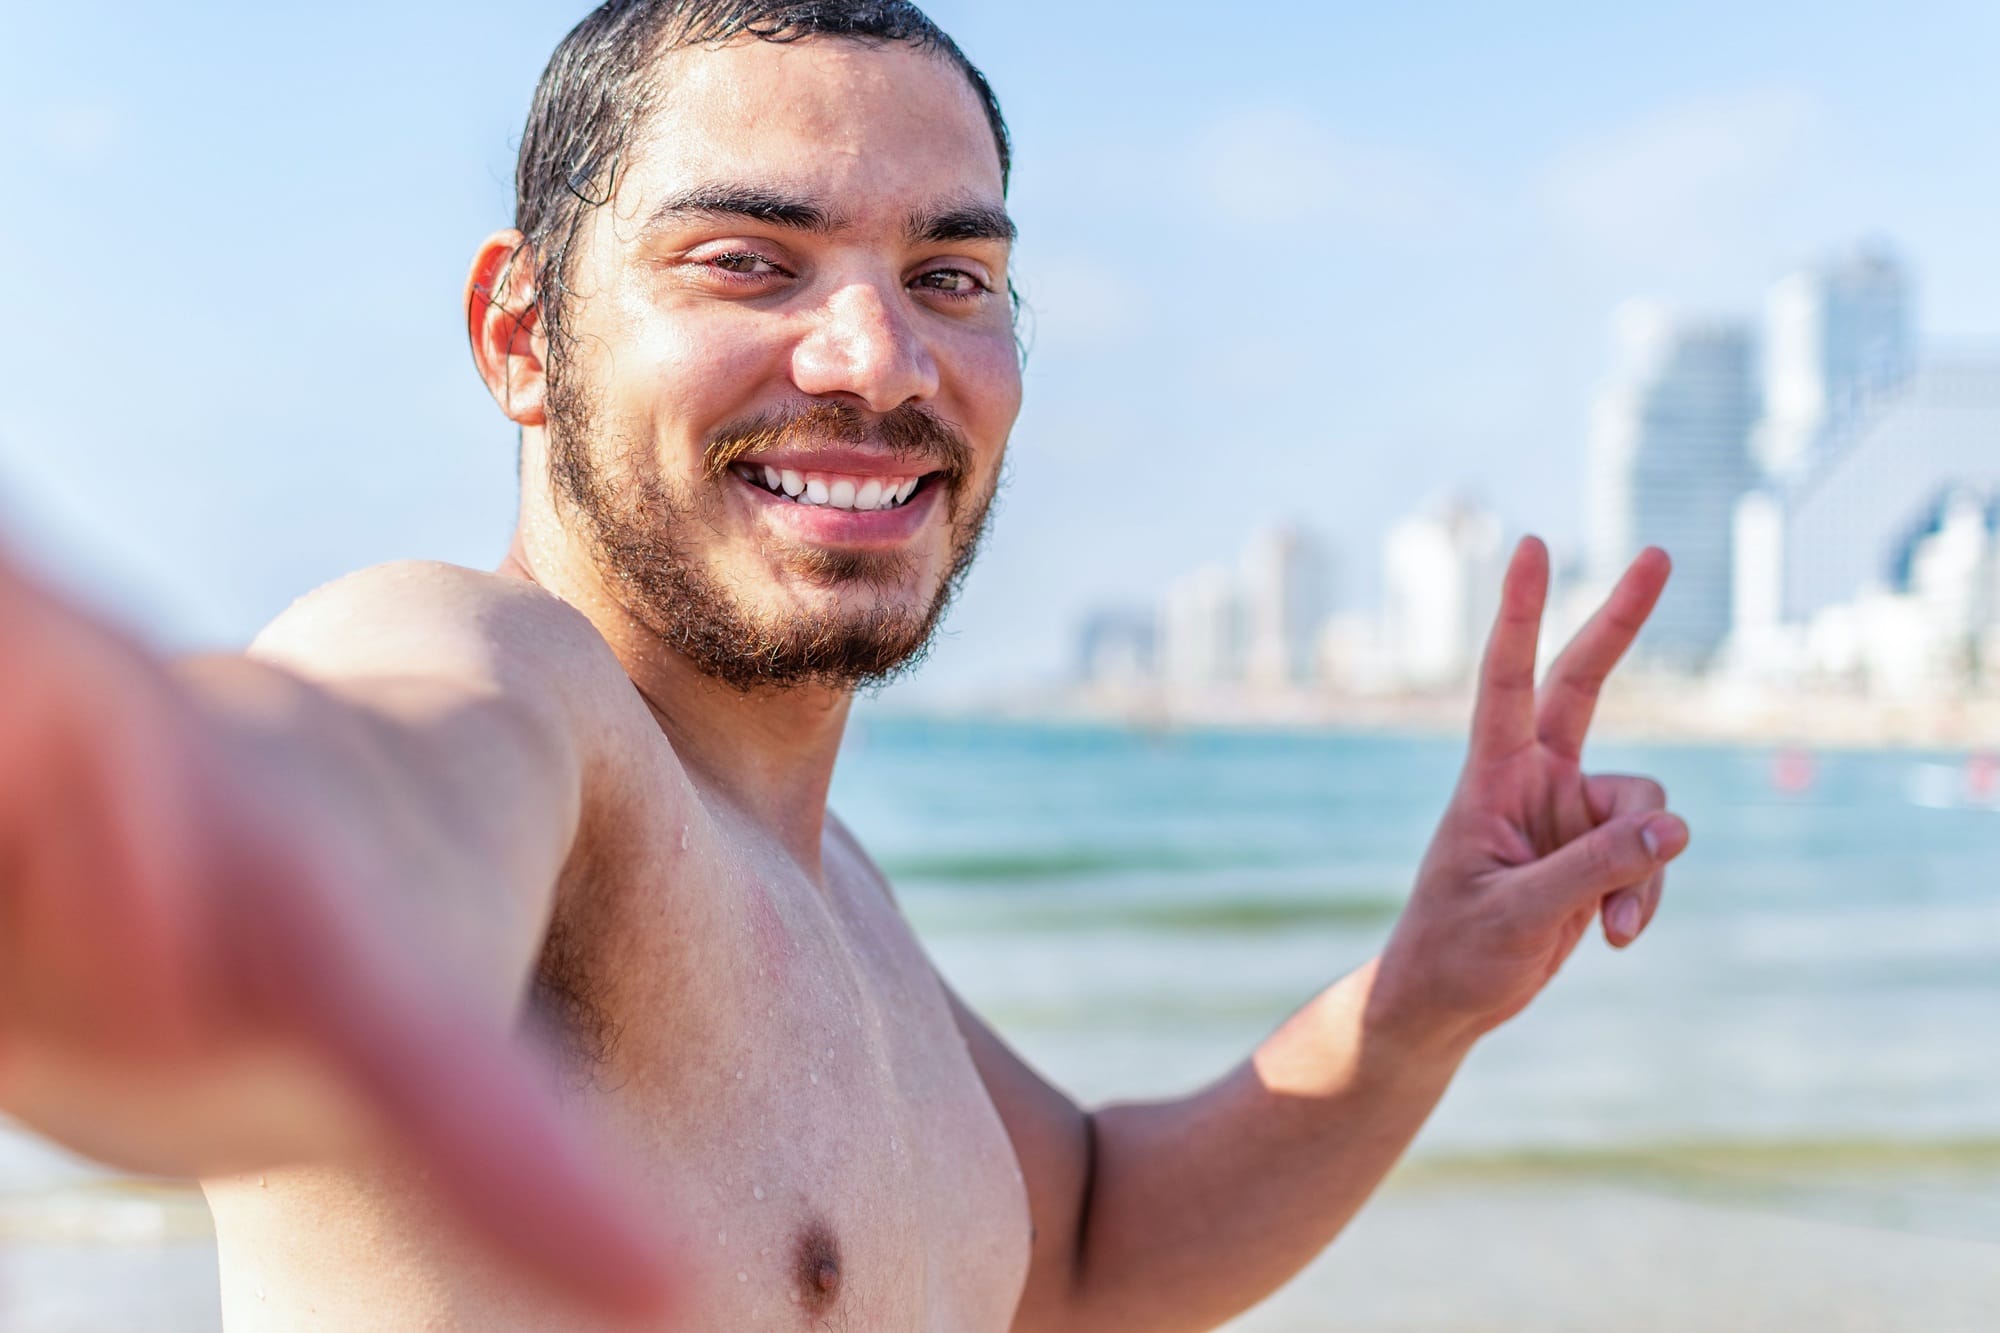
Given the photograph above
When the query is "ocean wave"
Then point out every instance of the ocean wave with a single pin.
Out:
(1019, 867)
(1249, 913)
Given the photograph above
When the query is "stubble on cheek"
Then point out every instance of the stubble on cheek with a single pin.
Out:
(683, 563)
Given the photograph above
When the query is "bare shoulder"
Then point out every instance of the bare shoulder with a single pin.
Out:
(501, 642)
(419, 615)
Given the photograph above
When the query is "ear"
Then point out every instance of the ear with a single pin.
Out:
(503, 320)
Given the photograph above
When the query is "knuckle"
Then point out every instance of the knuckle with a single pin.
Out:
(1610, 854)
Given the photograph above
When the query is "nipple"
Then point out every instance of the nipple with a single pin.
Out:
(818, 1272)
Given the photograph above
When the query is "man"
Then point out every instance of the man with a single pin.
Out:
(269, 919)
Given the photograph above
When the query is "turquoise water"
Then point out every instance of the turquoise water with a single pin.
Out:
(1135, 911)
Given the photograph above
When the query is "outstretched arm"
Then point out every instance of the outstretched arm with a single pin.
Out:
(1179, 1215)
(268, 909)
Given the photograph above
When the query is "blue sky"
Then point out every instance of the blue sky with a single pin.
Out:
(1316, 267)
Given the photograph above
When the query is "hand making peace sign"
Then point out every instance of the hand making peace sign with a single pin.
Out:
(1531, 848)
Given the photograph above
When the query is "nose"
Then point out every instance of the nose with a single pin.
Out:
(864, 345)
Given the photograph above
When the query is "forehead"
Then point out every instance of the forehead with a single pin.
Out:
(871, 128)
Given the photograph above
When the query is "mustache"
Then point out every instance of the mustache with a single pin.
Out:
(912, 431)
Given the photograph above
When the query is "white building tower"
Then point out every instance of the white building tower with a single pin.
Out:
(1836, 335)
(1442, 575)
(1285, 606)
(1669, 462)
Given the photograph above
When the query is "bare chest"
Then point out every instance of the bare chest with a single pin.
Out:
(778, 1060)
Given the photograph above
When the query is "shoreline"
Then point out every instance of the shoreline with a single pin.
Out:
(1650, 712)
(1438, 1250)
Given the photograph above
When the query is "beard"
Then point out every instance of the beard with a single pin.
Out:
(637, 522)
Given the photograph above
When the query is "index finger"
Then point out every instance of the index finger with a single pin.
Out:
(1503, 716)
(1569, 698)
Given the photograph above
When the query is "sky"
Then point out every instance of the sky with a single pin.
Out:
(1324, 265)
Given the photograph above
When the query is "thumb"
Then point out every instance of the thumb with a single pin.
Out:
(1615, 855)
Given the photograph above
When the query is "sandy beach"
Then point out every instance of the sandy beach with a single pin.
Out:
(1441, 1251)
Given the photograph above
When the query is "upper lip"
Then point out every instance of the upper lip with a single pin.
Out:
(847, 461)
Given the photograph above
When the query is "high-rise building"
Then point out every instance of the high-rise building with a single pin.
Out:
(1948, 562)
(1816, 541)
(1117, 648)
(1201, 630)
(1442, 575)
(1669, 462)
(1285, 597)
(1836, 336)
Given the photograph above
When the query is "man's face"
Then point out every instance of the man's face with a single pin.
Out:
(790, 368)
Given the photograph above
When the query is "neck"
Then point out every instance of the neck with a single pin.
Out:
(769, 753)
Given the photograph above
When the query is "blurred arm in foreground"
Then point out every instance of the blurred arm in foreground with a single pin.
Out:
(1180, 1215)
(251, 917)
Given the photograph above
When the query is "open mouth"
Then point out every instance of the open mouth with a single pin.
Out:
(833, 491)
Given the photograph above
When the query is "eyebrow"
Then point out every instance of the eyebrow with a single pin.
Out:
(940, 224)
(773, 208)
(962, 222)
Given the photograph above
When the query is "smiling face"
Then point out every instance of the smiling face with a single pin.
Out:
(788, 369)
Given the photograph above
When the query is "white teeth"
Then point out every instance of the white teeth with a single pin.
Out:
(866, 495)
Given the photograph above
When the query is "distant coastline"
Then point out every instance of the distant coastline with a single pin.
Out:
(1661, 710)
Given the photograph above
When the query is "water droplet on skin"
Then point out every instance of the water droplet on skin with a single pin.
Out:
(757, 1193)
(829, 1052)
(739, 1076)
(684, 837)
(722, 1238)
(742, 1276)
(815, 1079)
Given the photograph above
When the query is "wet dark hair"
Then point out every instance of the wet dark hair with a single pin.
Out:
(598, 88)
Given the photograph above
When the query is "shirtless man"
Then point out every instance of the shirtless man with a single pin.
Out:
(287, 921)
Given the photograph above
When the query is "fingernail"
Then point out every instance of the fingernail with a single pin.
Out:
(1625, 917)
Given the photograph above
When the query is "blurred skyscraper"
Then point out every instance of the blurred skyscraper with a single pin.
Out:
(1202, 630)
(1441, 576)
(1117, 648)
(1669, 462)
(1285, 603)
(1815, 541)
(1836, 335)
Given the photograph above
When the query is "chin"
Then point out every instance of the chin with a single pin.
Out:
(857, 601)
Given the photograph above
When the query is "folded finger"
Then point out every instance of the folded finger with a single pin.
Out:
(1626, 913)
(1612, 794)
(1617, 855)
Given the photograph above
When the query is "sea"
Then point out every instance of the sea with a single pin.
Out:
(1135, 910)
(1812, 1023)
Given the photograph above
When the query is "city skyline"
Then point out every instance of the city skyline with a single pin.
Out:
(1827, 485)
(1372, 262)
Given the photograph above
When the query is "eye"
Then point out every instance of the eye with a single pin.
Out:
(744, 263)
(954, 283)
